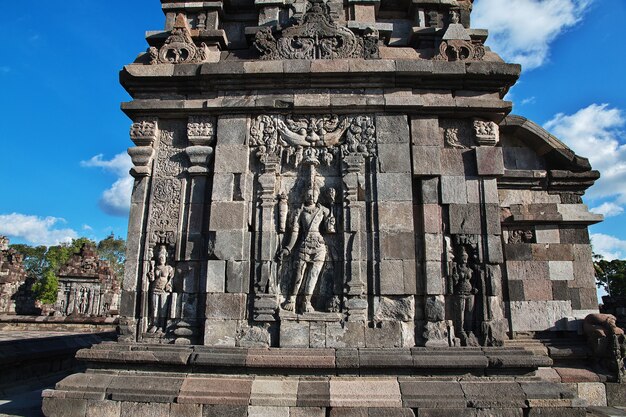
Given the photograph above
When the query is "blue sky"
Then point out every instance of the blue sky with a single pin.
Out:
(64, 138)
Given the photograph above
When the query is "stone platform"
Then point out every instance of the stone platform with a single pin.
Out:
(158, 380)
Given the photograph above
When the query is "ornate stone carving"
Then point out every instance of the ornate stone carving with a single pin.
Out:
(179, 47)
(312, 139)
(200, 130)
(521, 236)
(487, 133)
(144, 132)
(166, 190)
(452, 139)
(457, 45)
(607, 343)
(316, 36)
(160, 276)
(309, 221)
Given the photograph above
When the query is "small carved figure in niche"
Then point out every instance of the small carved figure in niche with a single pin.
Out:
(309, 221)
(464, 284)
(452, 138)
(607, 342)
(160, 277)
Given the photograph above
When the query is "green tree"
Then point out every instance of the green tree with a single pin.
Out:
(611, 275)
(113, 250)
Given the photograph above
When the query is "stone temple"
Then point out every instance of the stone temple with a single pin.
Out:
(335, 214)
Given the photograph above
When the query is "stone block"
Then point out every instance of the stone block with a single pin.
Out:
(473, 191)
(348, 412)
(431, 394)
(492, 219)
(489, 161)
(274, 391)
(547, 234)
(347, 359)
(223, 185)
(574, 234)
(434, 278)
(615, 394)
(349, 334)
(384, 335)
(410, 277)
(131, 409)
(593, 392)
(392, 129)
(232, 129)
(185, 410)
(552, 252)
(395, 309)
(238, 276)
(390, 412)
(266, 411)
(66, 407)
(516, 290)
(229, 244)
(394, 158)
(584, 298)
(453, 190)
(394, 187)
(495, 254)
(220, 333)
(391, 277)
(216, 276)
(490, 187)
(582, 252)
(135, 388)
(465, 218)
(560, 291)
(397, 245)
(433, 247)
(494, 394)
(228, 215)
(226, 306)
(432, 218)
(294, 334)
(394, 216)
(314, 392)
(426, 160)
(425, 131)
(216, 390)
(91, 386)
(105, 409)
(430, 191)
(537, 290)
(557, 412)
(518, 252)
(231, 158)
(527, 270)
(219, 410)
(365, 392)
(577, 375)
(453, 162)
(584, 273)
(307, 412)
(561, 270)
(539, 315)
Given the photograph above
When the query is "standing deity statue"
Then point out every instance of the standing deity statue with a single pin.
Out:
(464, 284)
(310, 220)
(160, 277)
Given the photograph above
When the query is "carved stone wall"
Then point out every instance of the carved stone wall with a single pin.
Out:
(16, 296)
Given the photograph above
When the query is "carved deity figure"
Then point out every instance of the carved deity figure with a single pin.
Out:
(463, 279)
(310, 253)
(160, 277)
(607, 342)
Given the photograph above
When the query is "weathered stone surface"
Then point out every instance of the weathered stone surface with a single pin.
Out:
(394, 187)
(394, 158)
(313, 392)
(392, 129)
(67, 407)
(453, 190)
(431, 394)
(274, 391)
(226, 306)
(216, 276)
(539, 315)
(266, 411)
(615, 394)
(489, 161)
(365, 392)
(224, 411)
(216, 390)
(426, 160)
(425, 131)
(294, 334)
(130, 409)
(220, 333)
(593, 392)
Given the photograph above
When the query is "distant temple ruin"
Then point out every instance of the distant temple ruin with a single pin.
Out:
(16, 296)
(87, 286)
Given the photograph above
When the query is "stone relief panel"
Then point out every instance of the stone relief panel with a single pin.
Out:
(179, 47)
(304, 184)
(316, 36)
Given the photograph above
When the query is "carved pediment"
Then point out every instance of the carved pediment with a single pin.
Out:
(316, 36)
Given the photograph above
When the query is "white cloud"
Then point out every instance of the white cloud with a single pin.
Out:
(115, 200)
(608, 209)
(35, 230)
(594, 132)
(609, 247)
(87, 228)
(522, 30)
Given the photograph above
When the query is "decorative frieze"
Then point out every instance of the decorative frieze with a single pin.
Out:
(317, 36)
(179, 47)
(487, 133)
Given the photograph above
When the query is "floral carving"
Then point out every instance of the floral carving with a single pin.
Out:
(143, 132)
(457, 44)
(451, 137)
(200, 129)
(179, 47)
(312, 139)
(316, 36)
